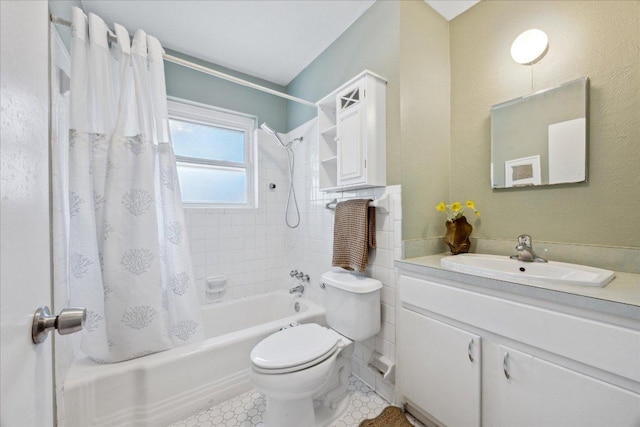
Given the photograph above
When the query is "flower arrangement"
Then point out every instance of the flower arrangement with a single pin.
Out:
(455, 210)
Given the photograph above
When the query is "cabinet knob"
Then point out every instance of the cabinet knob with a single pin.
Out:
(505, 366)
(469, 350)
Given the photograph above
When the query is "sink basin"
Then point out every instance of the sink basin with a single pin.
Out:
(505, 268)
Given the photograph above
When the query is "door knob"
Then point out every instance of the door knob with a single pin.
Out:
(69, 320)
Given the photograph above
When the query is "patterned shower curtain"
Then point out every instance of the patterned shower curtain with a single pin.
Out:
(129, 258)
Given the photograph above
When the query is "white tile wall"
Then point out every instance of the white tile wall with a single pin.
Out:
(309, 249)
(256, 251)
(245, 245)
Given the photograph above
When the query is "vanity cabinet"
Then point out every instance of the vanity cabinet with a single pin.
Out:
(352, 135)
(542, 393)
(526, 364)
(441, 369)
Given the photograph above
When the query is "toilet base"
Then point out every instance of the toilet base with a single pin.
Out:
(317, 409)
(325, 416)
(301, 412)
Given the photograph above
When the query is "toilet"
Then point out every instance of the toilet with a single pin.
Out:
(303, 370)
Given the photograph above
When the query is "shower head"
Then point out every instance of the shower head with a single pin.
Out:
(265, 127)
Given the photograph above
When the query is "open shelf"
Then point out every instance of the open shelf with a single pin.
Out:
(331, 131)
(330, 159)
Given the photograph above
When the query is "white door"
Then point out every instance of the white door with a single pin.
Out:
(439, 369)
(26, 375)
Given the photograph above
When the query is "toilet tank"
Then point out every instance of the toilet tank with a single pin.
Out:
(352, 304)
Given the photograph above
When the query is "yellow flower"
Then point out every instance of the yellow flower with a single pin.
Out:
(456, 210)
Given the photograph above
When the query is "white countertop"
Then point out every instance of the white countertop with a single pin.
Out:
(620, 297)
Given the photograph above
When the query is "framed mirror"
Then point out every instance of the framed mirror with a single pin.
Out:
(541, 139)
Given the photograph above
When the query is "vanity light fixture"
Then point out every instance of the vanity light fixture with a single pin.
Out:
(529, 47)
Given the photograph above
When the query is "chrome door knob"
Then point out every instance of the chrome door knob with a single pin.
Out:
(69, 320)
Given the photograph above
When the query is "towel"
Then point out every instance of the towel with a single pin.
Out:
(354, 232)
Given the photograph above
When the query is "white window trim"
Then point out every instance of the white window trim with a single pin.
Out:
(195, 112)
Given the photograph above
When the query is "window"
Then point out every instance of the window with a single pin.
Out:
(215, 155)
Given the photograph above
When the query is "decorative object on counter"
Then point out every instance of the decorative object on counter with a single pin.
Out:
(457, 236)
(458, 229)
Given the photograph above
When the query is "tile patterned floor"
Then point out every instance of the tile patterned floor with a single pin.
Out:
(247, 409)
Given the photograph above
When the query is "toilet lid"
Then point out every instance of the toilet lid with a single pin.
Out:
(294, 346)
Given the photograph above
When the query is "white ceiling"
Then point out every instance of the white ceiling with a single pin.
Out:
(274, 40)
(451, 8)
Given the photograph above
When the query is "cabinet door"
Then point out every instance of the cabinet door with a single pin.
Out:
(351, 142)
(351, 149)
(507, 402)
(439, 367)
(541, 393)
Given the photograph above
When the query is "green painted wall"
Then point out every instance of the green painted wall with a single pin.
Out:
(424, 117)
(442, 80)
(406, 42)
(371, 42)
(597, 39)
(195, 86)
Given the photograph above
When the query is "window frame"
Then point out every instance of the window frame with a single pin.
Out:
(207, 115)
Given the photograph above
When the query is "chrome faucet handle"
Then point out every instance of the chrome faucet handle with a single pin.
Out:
(524, 240)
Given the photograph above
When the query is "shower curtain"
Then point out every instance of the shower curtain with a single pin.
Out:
(129, 258)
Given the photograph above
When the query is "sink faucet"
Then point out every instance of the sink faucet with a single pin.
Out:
(525, 250)
(297, 289)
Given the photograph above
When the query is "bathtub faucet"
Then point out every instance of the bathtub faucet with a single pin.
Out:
(299, 275)
(297, 290)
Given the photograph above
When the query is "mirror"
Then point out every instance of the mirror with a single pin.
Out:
(541, 139)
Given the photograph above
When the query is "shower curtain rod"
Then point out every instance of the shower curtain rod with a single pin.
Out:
(197, 67)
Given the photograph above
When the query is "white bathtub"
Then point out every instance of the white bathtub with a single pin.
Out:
(161, 388)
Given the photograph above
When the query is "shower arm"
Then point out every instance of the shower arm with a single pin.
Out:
(268, 129)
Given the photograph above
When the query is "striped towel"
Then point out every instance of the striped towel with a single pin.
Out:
(354, 232)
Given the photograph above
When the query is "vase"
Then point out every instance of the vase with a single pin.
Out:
(457, 236)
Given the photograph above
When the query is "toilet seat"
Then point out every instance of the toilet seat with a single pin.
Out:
(294, 349)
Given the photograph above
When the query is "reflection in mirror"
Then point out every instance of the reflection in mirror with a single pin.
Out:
(541, 139)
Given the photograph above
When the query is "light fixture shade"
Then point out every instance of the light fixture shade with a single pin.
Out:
(529, 47)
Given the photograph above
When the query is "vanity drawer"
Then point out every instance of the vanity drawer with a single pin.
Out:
(604, 346)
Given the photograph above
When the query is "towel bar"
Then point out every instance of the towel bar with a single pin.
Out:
(382, 204)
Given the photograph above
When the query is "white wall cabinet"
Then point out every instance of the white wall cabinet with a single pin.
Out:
(520, 377)
(352, 135)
